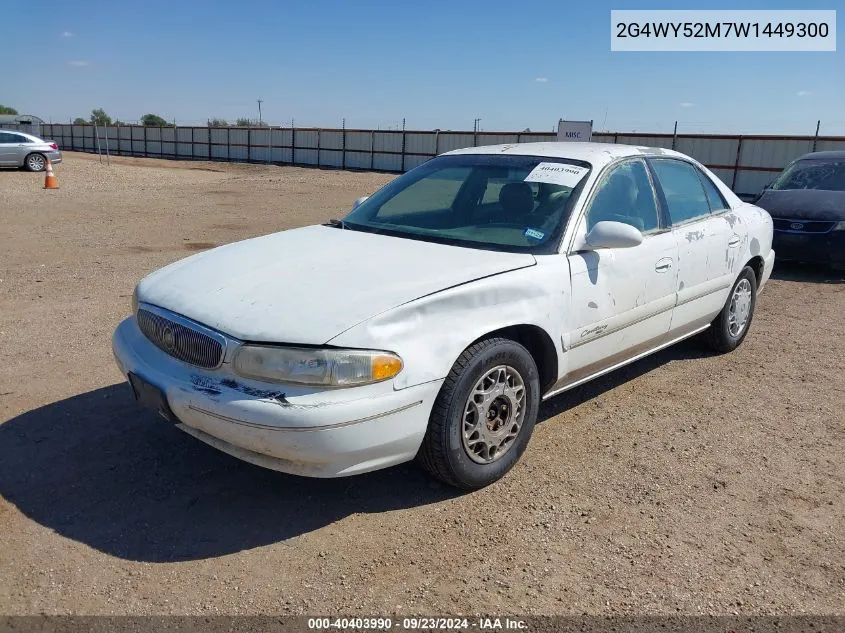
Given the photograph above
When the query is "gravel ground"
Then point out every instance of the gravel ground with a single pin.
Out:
(685, 483)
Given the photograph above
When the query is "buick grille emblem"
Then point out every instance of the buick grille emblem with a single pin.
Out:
(168, 338)
(796, 226)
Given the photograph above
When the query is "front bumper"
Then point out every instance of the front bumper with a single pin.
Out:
(328, 433)
(820, 248)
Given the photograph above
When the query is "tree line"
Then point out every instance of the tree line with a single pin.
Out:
(100, 117)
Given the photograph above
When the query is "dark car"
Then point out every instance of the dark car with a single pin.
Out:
(807, 205)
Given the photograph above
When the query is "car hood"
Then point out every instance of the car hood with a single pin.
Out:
(804, 204)
(310, 284)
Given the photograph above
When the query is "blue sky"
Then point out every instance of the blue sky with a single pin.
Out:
(438, 63)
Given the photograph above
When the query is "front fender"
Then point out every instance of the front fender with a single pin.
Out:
(430, 333)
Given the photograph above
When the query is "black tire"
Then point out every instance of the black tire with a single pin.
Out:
(719, 336)
(442, 453)
(35, 165)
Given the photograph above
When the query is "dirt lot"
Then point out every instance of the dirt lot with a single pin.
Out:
(685, 483)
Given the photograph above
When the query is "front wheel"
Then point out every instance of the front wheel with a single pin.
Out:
(728, 329)
(483, 416)
(36, 162)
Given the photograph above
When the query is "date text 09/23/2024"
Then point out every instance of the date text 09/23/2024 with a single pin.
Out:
(418, 623)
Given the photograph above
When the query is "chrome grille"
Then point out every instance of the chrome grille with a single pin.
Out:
(802, 226)
(180, 341)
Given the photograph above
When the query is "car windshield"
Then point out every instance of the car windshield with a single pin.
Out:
(489, 201)
(826, 175)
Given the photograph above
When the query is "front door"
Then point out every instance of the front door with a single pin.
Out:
(8, 149)
(622, 298)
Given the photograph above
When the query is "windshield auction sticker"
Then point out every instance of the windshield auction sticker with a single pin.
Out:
(557, 174)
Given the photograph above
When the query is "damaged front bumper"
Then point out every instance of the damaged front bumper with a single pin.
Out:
(302, 431)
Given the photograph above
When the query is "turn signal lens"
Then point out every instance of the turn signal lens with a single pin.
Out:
(384, 367)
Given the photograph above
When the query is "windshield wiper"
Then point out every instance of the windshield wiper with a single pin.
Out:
(339, 223)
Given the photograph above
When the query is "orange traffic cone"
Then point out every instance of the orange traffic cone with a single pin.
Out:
(50, 181)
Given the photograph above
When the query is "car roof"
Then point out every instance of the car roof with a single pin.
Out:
(595, 153)
(836, 153)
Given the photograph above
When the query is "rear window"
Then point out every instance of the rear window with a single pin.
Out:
(821, 174)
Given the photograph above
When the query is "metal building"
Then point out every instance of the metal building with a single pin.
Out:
(28, 123)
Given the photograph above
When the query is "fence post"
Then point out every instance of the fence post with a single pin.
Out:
(436, 142)
(72, 137)
(292, 143)
(318, 147)
(193, 148)
(675, 136)
(343, 147)
(248, 144)
(403, 149)
(372, 149)
(736, 162)
(816, 137)
(146, 149)
(519, 137)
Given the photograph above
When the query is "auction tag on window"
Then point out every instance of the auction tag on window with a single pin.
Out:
(557, 174)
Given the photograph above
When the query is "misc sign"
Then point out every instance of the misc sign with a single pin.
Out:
(574, 130)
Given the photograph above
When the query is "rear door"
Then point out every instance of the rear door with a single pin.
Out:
(701, 241)
(728, 236)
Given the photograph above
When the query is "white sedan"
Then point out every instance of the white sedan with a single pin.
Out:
(431, 321)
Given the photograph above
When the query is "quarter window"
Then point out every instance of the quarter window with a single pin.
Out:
(625, 195)
(714, 196)
(682, 188)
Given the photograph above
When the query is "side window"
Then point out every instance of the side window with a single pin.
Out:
(17, 138)
(683, 189)
(625, 195)
(714, 196)
(5, 137)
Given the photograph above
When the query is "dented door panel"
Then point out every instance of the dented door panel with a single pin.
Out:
(621, 299)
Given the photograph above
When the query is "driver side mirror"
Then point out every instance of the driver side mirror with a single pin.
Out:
(607, 234)
(358, 202)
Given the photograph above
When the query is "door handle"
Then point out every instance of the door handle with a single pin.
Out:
(663, 265)
(734, 242)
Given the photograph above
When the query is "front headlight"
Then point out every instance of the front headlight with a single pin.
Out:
(839, 226)
(135, 300)
(320, 367)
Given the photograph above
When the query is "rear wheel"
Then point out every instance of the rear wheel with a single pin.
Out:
(36, 162)
(728, 329)
(484, 415)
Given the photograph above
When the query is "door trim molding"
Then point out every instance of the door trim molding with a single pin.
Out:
(621, 326)
(573, 381)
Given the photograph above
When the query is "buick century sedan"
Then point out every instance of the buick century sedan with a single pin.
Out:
(431, 321)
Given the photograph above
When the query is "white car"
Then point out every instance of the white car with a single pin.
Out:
(432, 320)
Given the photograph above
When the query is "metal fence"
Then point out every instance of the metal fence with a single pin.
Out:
(745, 162)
